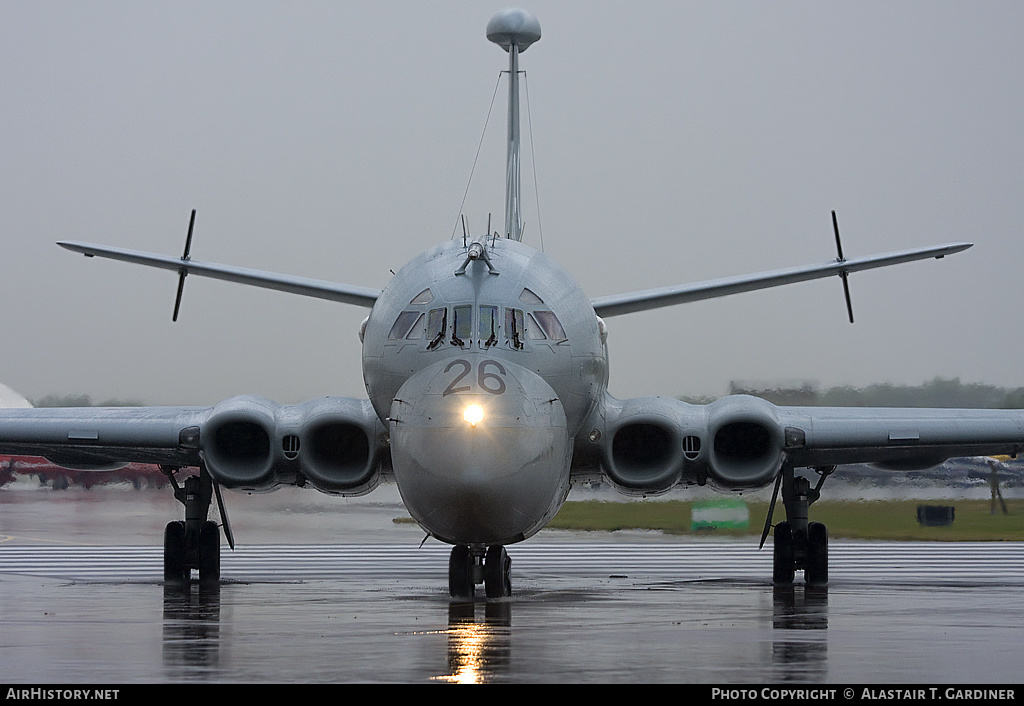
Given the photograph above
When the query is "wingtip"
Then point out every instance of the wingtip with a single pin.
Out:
(952, 249)
(74, 246)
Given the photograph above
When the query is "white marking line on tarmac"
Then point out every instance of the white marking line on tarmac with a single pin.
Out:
(945, 561)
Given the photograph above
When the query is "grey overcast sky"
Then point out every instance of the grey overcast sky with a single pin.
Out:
(674, 142)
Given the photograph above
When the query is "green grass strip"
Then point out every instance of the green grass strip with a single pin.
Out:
(892, 520)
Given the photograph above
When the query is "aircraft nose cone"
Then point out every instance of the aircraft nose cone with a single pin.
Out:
(480, 450)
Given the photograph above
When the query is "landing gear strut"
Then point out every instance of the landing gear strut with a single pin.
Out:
(195, 542)
(800, 544)
(469, 566)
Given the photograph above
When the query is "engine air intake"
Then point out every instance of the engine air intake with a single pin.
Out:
(239, 453)
(746, 442)
(645, 455)
(339, 456)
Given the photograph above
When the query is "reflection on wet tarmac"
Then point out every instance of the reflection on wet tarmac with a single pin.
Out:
(191, 629)
(797, 608)
(581, 626)
(479, 649)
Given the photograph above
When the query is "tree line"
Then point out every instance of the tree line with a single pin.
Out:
(939, 392)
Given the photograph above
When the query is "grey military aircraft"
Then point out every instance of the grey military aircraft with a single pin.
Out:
(486, 375)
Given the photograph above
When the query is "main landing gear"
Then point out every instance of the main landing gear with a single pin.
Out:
(472, 565)
(195, 542)
(799, 544)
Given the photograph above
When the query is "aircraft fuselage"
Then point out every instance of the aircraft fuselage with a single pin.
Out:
(496, 325)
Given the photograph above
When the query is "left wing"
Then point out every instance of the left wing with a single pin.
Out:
(898, 439)
(650, 444)
(333, 443)
(680, 294)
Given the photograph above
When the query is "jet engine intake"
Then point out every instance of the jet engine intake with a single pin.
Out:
(250, 443)
(338, 445)
(642, 445)
(747, 442)
(235, 441)
(645, 454)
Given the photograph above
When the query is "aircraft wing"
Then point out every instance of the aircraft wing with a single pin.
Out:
(679, 294)
(320, 289)
(896, 438)
(245, 442)
(101, 437)
(650, 444)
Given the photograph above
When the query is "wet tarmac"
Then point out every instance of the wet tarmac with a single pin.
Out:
(332, 590)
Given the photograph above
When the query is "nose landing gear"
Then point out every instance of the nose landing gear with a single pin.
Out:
(469, 566)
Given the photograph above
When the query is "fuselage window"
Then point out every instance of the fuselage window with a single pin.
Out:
(488, 328)
(437, 325)
(551, 325)
(462, 328)
(403, 325)
(515, 328)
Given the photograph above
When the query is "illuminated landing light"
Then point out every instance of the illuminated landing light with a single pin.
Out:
(474, 413)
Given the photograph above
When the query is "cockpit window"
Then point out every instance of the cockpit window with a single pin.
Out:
(528, 297)
(416, 331)
(462, 329)
(488, 328)
(424, 297)
(403, 325)
(533, 330)
(437, 324)
(515, 328)
(551, 325)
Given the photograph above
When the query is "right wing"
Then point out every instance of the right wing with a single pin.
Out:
(248, 443)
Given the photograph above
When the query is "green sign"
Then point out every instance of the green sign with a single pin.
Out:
(719, 514)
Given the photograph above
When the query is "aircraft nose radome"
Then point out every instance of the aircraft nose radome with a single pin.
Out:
(491, 476)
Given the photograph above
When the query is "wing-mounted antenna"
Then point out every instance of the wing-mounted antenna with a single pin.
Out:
(843, 274)
(514, 31)
(183, 271)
